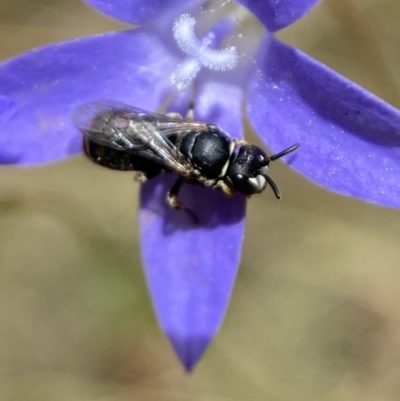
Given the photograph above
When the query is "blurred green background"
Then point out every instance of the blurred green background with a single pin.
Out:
(315, 313)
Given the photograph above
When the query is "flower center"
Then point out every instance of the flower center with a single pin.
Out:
(202, 53)
(198, 52)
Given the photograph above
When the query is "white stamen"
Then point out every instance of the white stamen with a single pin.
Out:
(184, 34)
(219, 60)
(199, 52)
(185, 73)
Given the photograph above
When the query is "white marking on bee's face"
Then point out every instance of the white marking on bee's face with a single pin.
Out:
(226, 165)
(258, 183)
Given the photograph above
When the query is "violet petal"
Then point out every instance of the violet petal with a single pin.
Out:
(48, 83)
(276, 15)
(350, 139)
(7, 107)
(140, 11)
(191, 269)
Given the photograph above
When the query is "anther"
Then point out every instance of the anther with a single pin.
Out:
(200, 55)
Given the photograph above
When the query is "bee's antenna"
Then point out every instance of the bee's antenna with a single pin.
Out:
(273, 185)
(284, 152)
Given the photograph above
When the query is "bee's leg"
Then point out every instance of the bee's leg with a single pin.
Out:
(173, 194)
(175, 204)
(140, 176)
(149, 173)
(190, 113)
(174, 115)
(226, 189)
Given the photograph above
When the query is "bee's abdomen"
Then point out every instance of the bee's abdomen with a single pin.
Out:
(108, 157)
(119, 160)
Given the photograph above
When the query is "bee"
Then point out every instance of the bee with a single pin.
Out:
(126, 138)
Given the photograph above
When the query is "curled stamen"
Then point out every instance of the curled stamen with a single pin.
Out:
(199, 51)
(184, 34)
(219, 60)
(185, 73)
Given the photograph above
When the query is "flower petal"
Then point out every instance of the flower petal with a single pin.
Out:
(46, 84)
(140, 11)
(276, 15)
(7, 107)
(350, 139)
(191, 269)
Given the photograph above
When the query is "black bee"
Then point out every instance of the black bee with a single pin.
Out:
(122, 137)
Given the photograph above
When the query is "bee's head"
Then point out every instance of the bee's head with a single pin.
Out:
(248, 171)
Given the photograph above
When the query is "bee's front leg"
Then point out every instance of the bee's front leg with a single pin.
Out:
(226, 189)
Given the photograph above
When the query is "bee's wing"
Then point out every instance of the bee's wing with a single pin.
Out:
(133, 130)
(106, 122)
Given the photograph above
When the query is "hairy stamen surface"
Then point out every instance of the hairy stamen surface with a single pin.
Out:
(199, 52)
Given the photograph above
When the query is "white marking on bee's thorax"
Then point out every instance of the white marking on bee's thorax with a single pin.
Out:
(226, 165)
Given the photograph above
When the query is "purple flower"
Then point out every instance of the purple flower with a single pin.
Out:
(349, 139)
